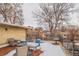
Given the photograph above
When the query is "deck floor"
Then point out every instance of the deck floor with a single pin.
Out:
(5, 50)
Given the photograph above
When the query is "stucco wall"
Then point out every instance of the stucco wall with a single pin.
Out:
(11, 32)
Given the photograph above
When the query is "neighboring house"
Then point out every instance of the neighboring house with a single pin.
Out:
(31, 34)
(34, 33)
(46, 34)
(18, 32)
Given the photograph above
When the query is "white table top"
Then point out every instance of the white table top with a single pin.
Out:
(32, 44)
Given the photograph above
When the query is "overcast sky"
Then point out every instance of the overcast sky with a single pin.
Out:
(30, 21)
(28, 15)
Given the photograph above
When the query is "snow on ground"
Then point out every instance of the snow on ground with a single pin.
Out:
(51, 50)
(47, 48)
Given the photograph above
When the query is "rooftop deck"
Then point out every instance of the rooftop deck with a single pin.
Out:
(5, 50)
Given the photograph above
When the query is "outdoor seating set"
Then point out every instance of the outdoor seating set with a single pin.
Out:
(34, 49)
(18, 46)
(13, 42)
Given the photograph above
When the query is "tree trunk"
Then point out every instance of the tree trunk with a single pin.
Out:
(72, 40)
(5, 18)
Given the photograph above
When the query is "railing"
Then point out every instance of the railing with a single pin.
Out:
(4, 45)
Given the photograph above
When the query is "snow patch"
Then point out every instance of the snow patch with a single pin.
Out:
(51, 50)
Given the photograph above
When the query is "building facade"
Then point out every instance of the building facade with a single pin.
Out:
(12, 31)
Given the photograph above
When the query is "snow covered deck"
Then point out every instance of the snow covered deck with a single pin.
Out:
(51, 50)
(47, 48)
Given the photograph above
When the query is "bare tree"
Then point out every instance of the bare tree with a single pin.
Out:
(12, 13)
(53, 14)
(5, 9)
(18, 14)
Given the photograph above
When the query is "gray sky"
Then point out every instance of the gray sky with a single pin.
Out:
(28, 16)
(30, 21)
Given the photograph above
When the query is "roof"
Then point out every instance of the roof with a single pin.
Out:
(13, 25)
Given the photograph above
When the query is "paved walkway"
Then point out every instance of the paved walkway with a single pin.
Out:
(51, 50)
